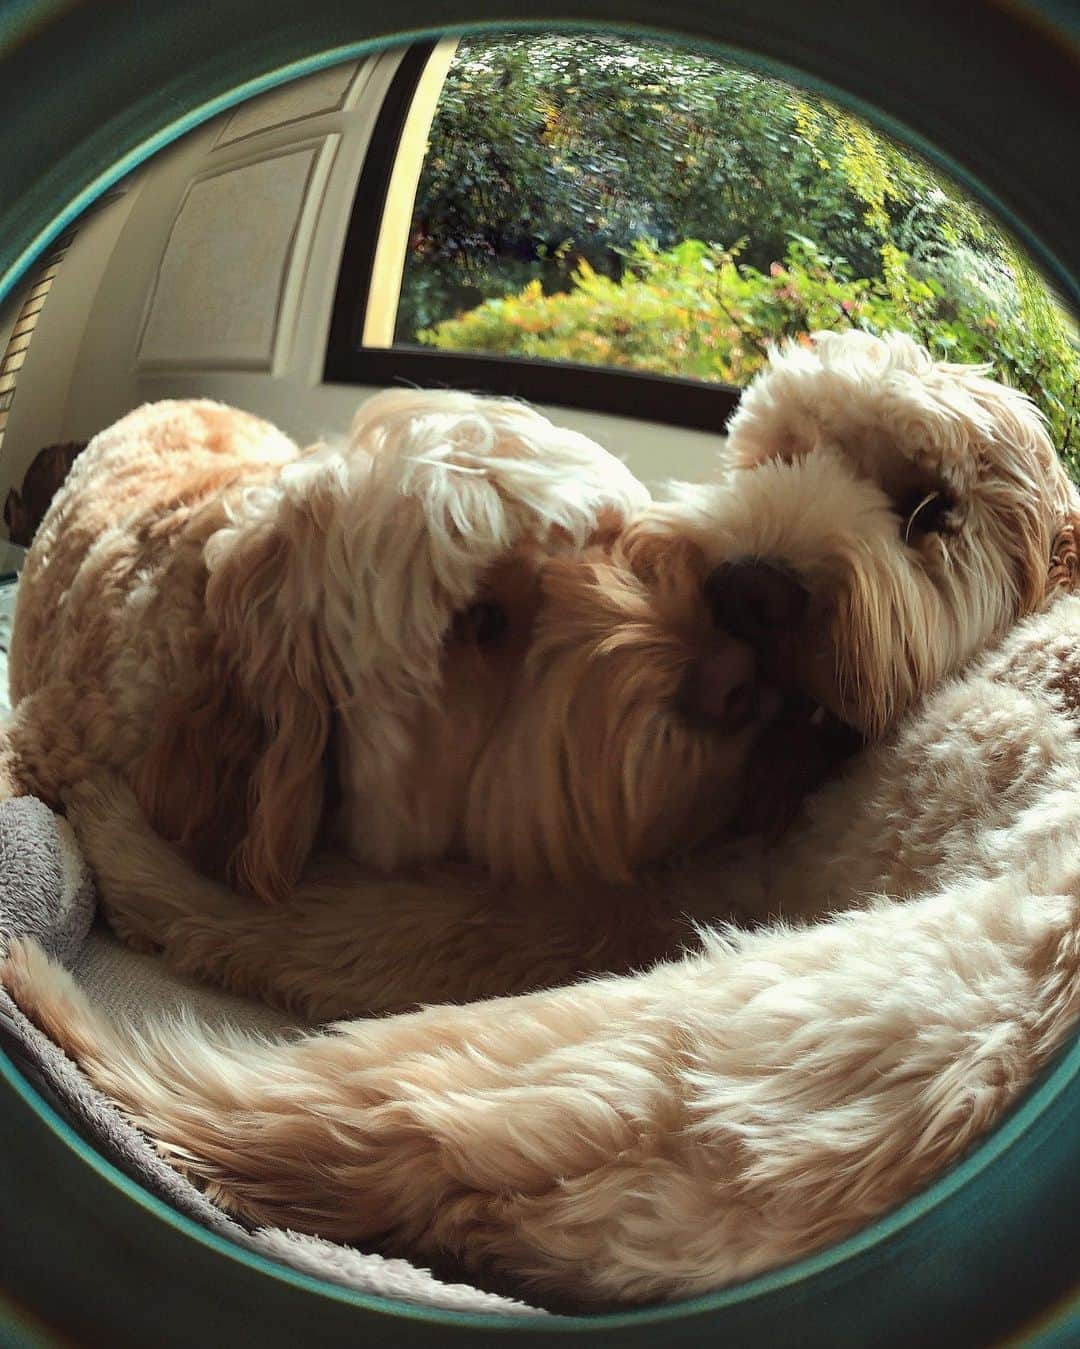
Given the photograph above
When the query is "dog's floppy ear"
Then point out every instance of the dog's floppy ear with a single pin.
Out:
(280, 674)
(192, 780)
(330, 592)
(1064, 571)
(267, 597)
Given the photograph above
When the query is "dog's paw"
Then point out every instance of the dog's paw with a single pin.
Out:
(101, 796)
(794, 756)
(101, 810)
(126, 927)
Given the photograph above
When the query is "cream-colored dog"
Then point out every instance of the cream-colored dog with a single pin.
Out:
(885, 518)
(660, 1134)
(824, 547)
(452, 643)
(261, 639)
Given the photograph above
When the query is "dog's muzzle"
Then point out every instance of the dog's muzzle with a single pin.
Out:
(721, 689)
(759, 604)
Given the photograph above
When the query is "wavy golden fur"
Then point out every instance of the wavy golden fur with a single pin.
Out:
(276, 650)
(654, 1135)
(430, 644)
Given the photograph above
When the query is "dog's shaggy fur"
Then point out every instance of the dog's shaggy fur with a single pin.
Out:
(654, 1136)
(886, 517)
(657, 1135)
(218, 616)
(431, 643)
(591, 764)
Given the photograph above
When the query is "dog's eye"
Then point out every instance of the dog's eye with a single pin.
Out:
(925, 513)
(481, 623)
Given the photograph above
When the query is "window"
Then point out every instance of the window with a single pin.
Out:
(621, 224)
(25, 322)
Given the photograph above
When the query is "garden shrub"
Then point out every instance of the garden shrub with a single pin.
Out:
(699, 311)
(574, 189)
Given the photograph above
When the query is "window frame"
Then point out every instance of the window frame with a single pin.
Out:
(634, 394)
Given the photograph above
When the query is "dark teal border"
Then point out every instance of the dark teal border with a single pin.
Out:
(1044, 1128)
(94, 89)
(1005, 131)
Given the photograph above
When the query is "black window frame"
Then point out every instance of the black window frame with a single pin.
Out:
(637, 395)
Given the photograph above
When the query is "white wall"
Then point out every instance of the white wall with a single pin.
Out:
(93, 358)
(41, 413)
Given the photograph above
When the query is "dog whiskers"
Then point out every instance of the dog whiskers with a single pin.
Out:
(930, 496)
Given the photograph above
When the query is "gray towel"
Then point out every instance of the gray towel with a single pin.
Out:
(45, 889)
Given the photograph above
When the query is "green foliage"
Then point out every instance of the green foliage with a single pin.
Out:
(569, 181)
(699, 311)
(549, 150)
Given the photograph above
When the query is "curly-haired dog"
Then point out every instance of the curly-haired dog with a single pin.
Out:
(653, 1136)
(432, 644)
(886, 517)
(810, 553)
(25, 506)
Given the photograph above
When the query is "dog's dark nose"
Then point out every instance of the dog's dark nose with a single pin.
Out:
(721, 689)
(754, 600)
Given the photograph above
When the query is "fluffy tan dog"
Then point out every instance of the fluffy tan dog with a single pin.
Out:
(885, 518)
(810, 548)
(657, 1135)
(445, 641)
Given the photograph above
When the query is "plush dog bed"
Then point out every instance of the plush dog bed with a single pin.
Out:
(46, 892)
(965, 827)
